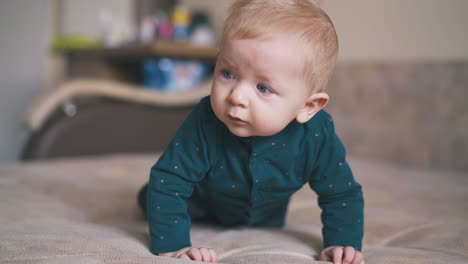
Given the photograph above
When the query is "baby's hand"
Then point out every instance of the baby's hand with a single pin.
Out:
(342, 255)
(193, 253)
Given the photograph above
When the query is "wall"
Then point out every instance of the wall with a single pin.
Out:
(400, 30)
(369, 30)
(388, 30)
(23, 49)
(82, 17)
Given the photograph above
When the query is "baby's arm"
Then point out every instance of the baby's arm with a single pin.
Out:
(193, 253)
(339, 196)
(185, 162)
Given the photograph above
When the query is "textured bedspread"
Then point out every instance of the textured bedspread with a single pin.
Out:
(84, 211)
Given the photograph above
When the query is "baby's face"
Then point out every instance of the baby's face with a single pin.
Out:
(259, 85)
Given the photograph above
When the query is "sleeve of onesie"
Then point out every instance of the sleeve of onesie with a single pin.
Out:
(184, 162)
(339, 195)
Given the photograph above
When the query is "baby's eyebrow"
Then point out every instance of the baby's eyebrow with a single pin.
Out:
(227, 61)
(264, 77)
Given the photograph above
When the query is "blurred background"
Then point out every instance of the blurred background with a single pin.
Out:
(109, 76)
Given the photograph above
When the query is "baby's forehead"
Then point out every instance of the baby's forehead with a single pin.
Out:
(290, 39)
(282, 45)
(263, 34)
(273, 58)
(275, 39)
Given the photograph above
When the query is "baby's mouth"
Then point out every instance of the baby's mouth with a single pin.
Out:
(236, 120)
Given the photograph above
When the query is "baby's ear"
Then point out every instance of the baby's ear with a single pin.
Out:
(313, 104)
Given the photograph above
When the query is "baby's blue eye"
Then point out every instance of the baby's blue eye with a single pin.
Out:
(227, 74)
(263, 88)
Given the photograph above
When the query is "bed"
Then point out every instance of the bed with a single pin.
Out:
(60, 207)
(83, 210)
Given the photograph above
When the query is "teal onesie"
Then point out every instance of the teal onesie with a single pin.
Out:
(248, 181)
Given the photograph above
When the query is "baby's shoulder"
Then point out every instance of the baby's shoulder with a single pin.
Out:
(322, 122)
(204, 112)
(211, 125)
(204, 106)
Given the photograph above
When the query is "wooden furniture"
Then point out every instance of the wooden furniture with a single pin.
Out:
(102, 109)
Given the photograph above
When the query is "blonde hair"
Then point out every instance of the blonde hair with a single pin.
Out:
(251, 19)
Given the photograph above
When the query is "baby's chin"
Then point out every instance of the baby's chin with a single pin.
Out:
(249, 132)
(240, 132)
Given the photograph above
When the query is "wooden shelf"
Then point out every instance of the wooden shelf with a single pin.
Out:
(157, 49)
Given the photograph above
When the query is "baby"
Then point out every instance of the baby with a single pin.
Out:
(261, 135)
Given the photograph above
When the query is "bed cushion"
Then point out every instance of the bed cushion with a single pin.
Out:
(84, 211)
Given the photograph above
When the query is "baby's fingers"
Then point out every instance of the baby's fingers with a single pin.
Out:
(200, 254)
(206, 256)
(214, 257)
(184, 256)
(358, 258)
(349, 253)
(337, 255)
(195, 254)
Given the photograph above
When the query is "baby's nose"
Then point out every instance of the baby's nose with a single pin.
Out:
(239, 97)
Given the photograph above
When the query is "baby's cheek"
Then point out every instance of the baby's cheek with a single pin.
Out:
(269, 125)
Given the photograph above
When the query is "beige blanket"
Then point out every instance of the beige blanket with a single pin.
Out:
(84, 211)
